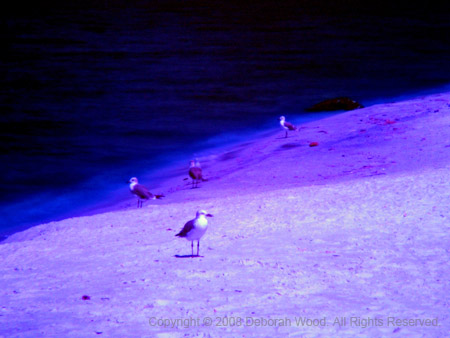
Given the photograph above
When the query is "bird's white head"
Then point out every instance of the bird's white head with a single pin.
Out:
(203, 213)
(191, 164)
(133, 180)
(282, 118)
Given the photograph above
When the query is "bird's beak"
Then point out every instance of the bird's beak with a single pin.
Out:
(209, 215)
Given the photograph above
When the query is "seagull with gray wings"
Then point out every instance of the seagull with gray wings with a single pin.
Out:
(142, 193)
(286, 125)
(194, 229)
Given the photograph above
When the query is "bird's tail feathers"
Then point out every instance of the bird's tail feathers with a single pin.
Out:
(159, 196)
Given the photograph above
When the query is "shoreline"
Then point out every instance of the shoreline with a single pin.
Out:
(175, 177)
(216, 148)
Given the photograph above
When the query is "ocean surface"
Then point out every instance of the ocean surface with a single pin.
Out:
(97, 93)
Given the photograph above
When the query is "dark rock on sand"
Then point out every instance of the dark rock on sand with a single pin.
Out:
(339, 103)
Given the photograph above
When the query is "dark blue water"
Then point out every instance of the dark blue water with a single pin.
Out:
(94, 94)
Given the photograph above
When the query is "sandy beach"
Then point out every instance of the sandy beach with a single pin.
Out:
(346, 238)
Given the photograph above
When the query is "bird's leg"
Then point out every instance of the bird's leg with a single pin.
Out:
(192, 249)
(198, 247)
(286, 134)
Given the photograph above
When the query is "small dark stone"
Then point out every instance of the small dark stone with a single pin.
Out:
(85, 297)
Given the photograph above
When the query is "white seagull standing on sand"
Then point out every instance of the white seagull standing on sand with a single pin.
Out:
(286, 125)
(141, 192)
(195, 172)
(195, 229)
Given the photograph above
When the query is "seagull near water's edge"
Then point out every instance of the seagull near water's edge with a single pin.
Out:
(142, 193)
(286, 125)
(194, 229)
(195, 172)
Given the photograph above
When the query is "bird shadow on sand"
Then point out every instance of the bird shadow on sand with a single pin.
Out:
(188, 256)
(288, 146)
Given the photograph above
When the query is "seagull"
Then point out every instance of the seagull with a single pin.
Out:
(286, 125)
(195, 229)
(141, 192)
(195, 172)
